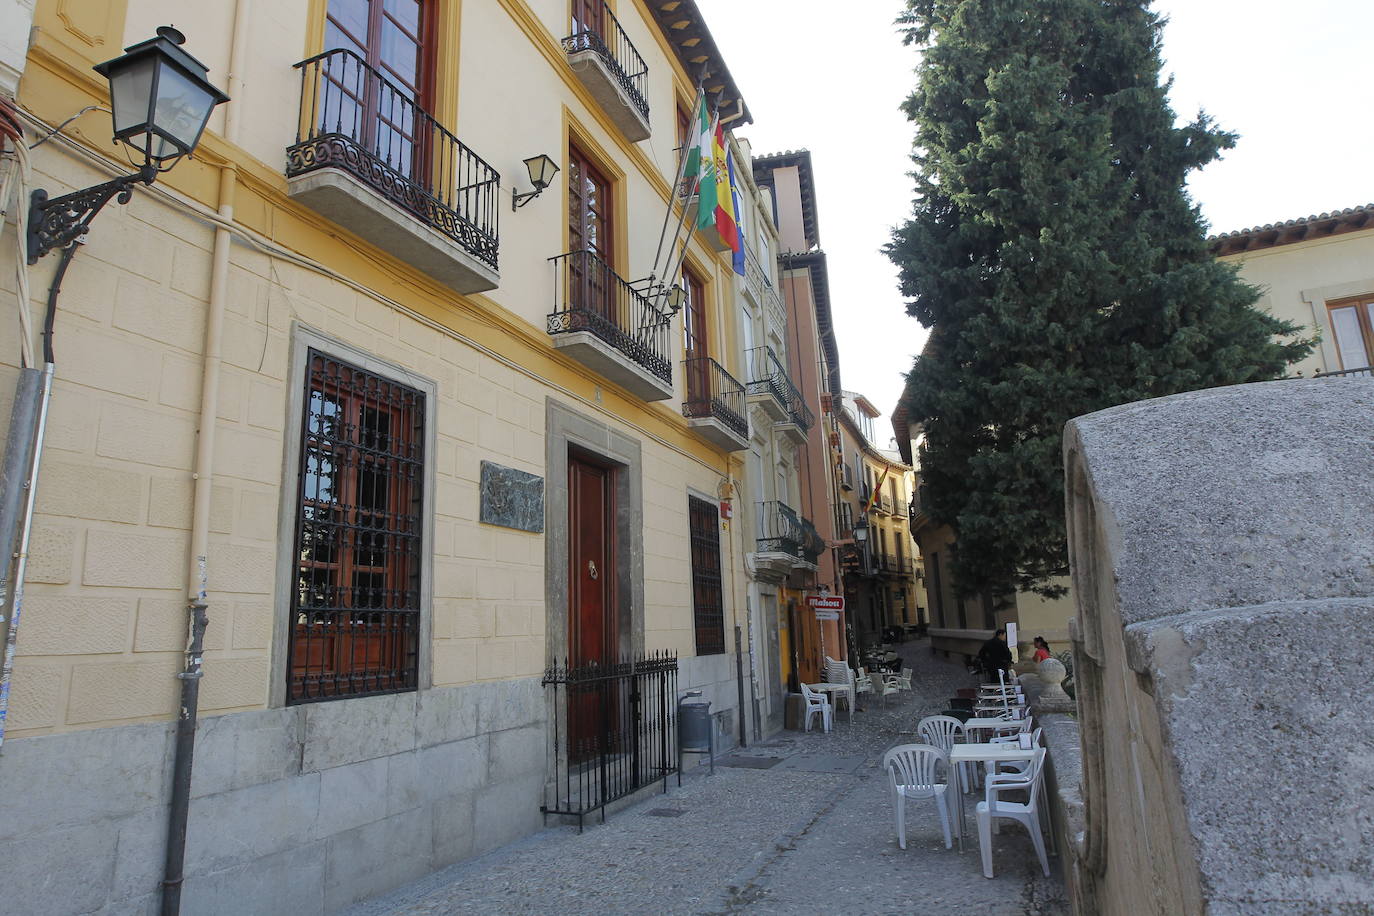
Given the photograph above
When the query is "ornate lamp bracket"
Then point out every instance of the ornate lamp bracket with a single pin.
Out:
(61, 221)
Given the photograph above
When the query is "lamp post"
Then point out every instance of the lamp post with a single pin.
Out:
(161, 101)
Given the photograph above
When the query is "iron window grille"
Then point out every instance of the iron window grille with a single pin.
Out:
(708, 605)
(355, 607)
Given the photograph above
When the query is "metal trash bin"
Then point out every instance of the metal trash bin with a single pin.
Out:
(695, 734)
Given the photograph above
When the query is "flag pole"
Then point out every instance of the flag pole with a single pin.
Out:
(682, 252)
(672, 196)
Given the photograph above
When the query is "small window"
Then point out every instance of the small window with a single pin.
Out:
(1352, 324)
(708, 608)
(355, 607)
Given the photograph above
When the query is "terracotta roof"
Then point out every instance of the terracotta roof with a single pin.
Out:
(1319, 225)
(681, 21)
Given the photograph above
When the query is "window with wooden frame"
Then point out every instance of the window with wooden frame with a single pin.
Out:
(708, 602)
(395, 39)
(355, 607)
(694, 339)
(1352, 326)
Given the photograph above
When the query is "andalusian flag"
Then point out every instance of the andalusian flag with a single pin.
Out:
(706, 203)
(725, 197)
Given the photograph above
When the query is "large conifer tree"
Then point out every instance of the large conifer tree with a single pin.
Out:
(1058, 259)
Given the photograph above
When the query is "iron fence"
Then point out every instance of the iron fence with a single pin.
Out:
(613, 730)
(713, 392)
(1364, 372)
(354, 119)
(617, 52)
(589, 296)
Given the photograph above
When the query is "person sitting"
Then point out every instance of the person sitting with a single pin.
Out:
(995, 656)
(1042, 650)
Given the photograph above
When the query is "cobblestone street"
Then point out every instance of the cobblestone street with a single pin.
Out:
(799, 824)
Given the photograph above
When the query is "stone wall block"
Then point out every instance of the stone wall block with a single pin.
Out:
(158, 438)
(106, 691)
(33, 885)
(252, 624)
(288, 883)
(346, 731)
(158, 314)
(380, 855)
(51, 782)
(71, 418)
(447, 714)
(74, 625)
(248, 455)
(455, 660)
(83, 491)
(51, 553)
(236, 827)
(108, 362)
(507, 811)
(454, 827)
(35, 696)
(244, 749)
(1289, 490)
(511, 704)
(406, 784)
(134, 561)
(458, 766)
(241, 569)
(140, 855)
(352, 795)
(234, 682)
(258, 514)
(517, 752)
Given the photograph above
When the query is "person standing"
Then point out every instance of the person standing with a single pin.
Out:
(995, 655)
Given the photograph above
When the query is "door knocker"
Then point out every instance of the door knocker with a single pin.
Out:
(591, 568)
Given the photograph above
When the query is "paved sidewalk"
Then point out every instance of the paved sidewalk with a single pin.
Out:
(800, 824)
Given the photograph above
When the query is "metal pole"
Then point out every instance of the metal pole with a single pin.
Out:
(739, 683)
(14, 477)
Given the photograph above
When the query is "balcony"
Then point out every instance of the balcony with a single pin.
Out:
(760, 290)
(846, 475)
(1365, 372)
(782, 541)
(714, 406)
(813, 545)
(605, 324)
(611, 69)
(370, 159)
(771, 388)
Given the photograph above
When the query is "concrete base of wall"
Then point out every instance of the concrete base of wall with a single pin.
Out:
(302, 810)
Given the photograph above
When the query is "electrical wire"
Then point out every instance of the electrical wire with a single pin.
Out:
(273, 250)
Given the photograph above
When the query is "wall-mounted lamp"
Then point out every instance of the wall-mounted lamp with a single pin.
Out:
(675, 298)
(161, 102)
(861, 531)
(542, 170)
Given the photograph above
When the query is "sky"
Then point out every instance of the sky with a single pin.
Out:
(1291, 78)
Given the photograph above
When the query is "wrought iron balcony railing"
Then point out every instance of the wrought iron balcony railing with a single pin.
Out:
(589, 296)
(617, 52)
(354, 119)
(780, 529)
(767, 376)
(713, 392)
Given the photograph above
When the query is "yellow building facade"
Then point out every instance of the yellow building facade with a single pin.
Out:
(422, 440)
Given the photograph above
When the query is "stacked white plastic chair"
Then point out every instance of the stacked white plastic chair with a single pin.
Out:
(817, 704)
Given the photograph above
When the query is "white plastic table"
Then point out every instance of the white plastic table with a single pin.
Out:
(995, 724)
(981, 753)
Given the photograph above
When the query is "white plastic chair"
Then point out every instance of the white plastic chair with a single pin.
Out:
(862, 682)
(942, 732)
(837, 672)
(993, 809)
(816, 703)
(883, 686)
(912, 771)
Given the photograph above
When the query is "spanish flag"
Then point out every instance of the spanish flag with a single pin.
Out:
(726, 224)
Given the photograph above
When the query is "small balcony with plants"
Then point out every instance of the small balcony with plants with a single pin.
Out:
(369, 158)
(609, 325)
(610, 67)
(714, 405)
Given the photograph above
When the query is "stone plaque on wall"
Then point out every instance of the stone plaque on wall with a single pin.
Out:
(511, 498)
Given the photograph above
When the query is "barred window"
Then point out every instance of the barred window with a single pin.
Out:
(356, 603)
(708, 611)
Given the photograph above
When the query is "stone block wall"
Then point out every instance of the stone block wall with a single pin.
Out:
(294, 811)
(1223, 566)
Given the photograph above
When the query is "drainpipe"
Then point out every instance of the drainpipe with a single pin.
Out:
(35, 442)
(197, 576)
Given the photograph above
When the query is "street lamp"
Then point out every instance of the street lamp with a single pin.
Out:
(542, 170)
(861, 531)
(161, 101)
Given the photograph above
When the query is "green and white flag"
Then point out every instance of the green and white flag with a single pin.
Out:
(701, 164)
